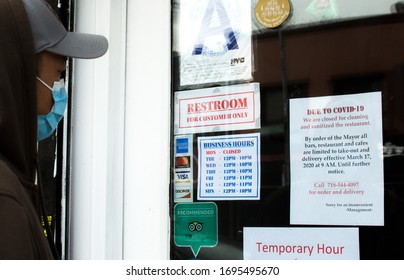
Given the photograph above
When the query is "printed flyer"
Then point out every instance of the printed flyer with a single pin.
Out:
(301, 243)
(336, 155)
(215, 109)
(229, 167)
(214, 41)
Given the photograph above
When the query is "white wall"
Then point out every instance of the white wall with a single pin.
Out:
(120, 133)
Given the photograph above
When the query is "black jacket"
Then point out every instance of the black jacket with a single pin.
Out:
(21, 233)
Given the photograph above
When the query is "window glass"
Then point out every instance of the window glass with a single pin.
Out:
(325, 49)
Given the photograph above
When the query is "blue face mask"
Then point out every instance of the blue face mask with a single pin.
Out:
(48, 124)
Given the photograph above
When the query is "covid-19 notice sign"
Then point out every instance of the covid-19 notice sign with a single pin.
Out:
(336, 157)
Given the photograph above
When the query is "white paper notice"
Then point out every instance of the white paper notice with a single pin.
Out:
(214, 41)
(336, 152)
(301, 243)
(229, 167)
(217, 109)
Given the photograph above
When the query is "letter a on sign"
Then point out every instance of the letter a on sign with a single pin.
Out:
(209, 28)
(214, 41)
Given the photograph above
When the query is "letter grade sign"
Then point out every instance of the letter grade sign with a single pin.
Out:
(214, 41)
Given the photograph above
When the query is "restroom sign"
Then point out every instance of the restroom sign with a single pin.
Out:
(217, 109)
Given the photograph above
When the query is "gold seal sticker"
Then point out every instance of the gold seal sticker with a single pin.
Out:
(272, 13)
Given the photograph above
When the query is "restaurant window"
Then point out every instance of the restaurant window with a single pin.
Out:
(287, 129)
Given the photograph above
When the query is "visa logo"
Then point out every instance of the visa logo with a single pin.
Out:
(183, 176)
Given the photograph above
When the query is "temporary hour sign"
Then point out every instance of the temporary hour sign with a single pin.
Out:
(301, 243)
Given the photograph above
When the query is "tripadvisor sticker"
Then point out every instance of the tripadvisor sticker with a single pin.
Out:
(195, 225)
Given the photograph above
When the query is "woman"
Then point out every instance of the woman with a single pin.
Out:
(34, 46)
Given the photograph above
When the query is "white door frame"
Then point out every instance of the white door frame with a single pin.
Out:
(120, 145)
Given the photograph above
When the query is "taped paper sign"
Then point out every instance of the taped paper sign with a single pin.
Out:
(301, 243)
(336, 142)
(229, 167)
(214, 41)
(217, 109)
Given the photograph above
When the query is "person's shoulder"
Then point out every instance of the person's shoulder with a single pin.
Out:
(10, 185)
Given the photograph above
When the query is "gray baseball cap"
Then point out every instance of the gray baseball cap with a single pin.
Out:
(50, 34)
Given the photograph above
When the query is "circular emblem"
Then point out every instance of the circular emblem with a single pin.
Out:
(272, 13)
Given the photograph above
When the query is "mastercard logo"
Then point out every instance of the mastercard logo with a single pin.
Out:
(182, 162)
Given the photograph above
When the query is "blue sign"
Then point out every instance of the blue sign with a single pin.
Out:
(182, 145)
